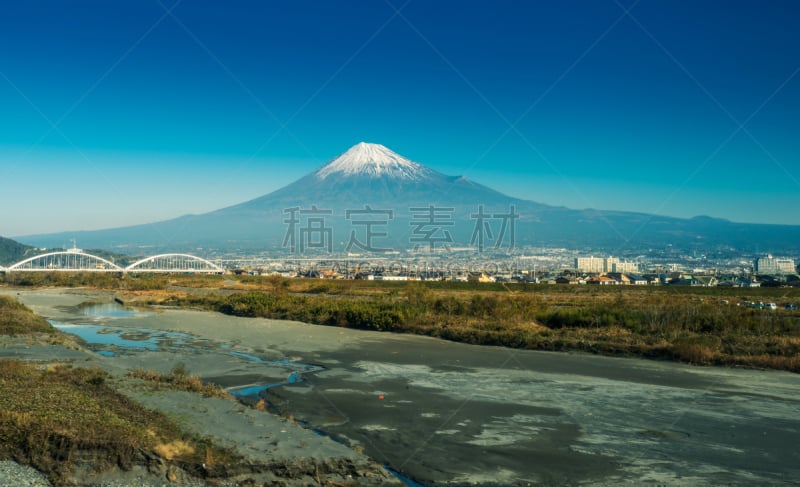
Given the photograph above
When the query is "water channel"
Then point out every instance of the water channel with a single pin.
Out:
(109, 340)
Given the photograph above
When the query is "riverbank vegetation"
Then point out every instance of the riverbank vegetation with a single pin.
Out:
(95, 280)
(690, 324)
(695, 325)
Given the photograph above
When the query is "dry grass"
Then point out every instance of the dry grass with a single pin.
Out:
(16, 319)
(51, 416)
(694, 353)
(179, 379)
(698, 326)
(174, 449)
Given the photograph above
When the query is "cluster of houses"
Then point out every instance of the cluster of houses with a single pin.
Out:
(671, 279)
(591, 271)
(632, 279)
(564, 277)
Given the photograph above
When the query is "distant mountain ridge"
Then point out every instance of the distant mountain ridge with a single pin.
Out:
(12, 252)
(371, 176)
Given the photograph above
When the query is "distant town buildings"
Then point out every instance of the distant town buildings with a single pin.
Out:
(774, 265)
(607, 264)
(625, 267)
(590, 264)
(668, 267)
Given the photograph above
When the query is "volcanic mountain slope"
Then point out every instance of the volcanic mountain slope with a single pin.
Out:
(372, 176)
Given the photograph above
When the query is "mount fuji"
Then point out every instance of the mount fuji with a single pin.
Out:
(370, 180)
(374, 175)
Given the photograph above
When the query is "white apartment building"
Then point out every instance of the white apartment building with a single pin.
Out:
(625, 267)
(599, 265)
(774, 265)
(590, 264)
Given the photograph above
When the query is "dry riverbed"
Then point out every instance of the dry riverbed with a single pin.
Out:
(277, 451)
(452, 414)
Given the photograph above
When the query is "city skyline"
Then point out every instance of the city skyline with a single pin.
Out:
(134, 113)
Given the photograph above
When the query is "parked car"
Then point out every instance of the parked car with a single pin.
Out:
(770, 306)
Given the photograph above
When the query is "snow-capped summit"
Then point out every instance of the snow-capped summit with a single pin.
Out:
(374, 160)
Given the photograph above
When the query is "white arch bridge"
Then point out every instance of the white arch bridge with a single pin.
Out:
(77, 261)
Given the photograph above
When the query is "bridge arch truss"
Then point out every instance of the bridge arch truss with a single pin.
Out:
(175, 263)
(65, 261)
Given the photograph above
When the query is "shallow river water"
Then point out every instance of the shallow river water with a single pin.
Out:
(448, 413)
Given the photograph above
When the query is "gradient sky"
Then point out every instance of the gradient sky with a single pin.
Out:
(115, 113)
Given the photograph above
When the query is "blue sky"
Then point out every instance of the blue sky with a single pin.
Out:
(115, 113)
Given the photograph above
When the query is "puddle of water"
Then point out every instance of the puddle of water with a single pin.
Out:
(253, 390)
(248, 391)
(106, 335)
(294, 378)
(125, 338)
